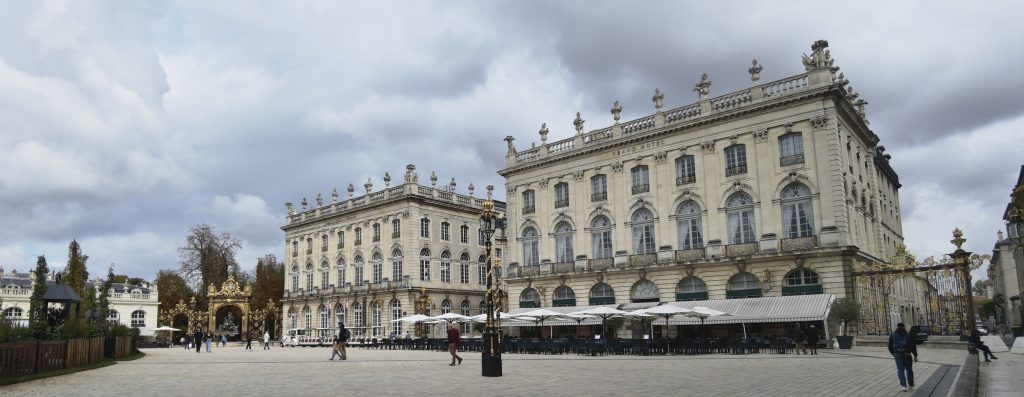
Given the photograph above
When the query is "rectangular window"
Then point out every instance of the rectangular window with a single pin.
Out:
(735, 160)
(376, 232)
(446, 271)
(396, 228)
(599, 188)
(425, 228)
(529, 203)
(445, 232)
(425, 269)
(464, 273)
(791, 149)
(464, 234)
(641, 181)
(685, 171)
(323, 243)
(561, 195)
(295, 248)
(482, 273)
(602, 241)
(359, 236)
(341, 239)
(309, 246)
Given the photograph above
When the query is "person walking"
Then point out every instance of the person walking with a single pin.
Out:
(248, 341)
(976, 340)
(343, 336)
(798, 338)
(209, 339)
(454, 337)
(183, 343)
(901, 345)
(336, 351)
(812, 338)
(266, 340)
(198, 339)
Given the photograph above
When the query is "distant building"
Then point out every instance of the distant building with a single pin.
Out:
(132, 305)
(371, 259)
(774, 190)
(1006, 269)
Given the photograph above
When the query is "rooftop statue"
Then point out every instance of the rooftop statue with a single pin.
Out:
(334, 195)
(511, 146)
(319, 200)
(820, 58)
(410, 174)
(755, 71)
(703, 87)
(304, 204)
(578, 123)
(544, 132)
(616, 111)
(658, 98)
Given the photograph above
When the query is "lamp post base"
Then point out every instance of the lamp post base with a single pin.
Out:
(491, 363)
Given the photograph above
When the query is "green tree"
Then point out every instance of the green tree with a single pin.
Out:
(172, 289)
(37, 308)
(135, 281)
(208, 257)
(76, 275)
(268, 282)
(103, 305)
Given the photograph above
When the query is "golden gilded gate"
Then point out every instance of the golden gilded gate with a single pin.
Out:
(933, 293)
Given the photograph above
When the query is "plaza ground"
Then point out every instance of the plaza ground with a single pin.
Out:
(232, 371)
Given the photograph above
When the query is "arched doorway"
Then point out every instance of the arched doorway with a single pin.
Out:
(229, 320)
(179, 321)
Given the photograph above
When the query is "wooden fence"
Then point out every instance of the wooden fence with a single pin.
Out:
(26, 358)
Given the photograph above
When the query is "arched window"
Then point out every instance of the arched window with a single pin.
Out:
(307, 315)
(464, 268)
(743, 285)
(424, 265)
(689, 226)
(378, 267)
(644, 291)
(564, 296)
(483, 307)
(797, 214)
(446, 267)
(339, 314)
(602, 294)
(739, 214)
(325, 316)
(325, 275)
(359, 270)
(357, 317)
(529, 298)
(531, 252)
(295, 278)
(309, 277)
(563, 242)
(396, 313)
(12, 313)
(691, 288)
(643, 232)
(446, 306)
(601, 237)
(396, 265)
(481, 265)
(113, 316)
(341, 272)
(375, 317)
(802, 281)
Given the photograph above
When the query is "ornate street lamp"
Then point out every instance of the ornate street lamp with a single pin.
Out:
(491, 221)
(961, 262)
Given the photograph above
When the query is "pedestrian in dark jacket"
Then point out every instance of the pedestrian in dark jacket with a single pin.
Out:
(812, 338)
(248, 341)
(901, 346)
(454, 338)
(198, 337)
(798, 338)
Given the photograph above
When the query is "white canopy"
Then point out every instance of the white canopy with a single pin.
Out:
(164, 328)
(415, 318)
(450, 317)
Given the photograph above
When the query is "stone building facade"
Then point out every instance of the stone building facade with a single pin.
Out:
(777, 189)
(369, 260)
(131, 305)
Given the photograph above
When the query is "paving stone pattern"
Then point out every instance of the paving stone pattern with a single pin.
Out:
(232, 371)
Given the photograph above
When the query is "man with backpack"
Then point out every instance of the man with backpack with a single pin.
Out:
(343, 336)
(902, 346)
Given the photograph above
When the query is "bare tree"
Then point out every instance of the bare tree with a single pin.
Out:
(208, 257)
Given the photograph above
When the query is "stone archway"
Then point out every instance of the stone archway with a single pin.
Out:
(228, 297)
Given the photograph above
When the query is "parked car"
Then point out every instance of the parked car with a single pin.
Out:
(920, 333)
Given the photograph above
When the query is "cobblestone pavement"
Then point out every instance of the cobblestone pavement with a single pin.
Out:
(231, 371)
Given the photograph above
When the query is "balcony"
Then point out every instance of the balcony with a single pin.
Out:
(644, 188)
(561, 203)
(15, 291)
(736, 170)
(566, 267)
(359, 241)
(599, 196)
(741, 249)
(683, 180)
(600, 263)
(643, 260)
(341, 245)
(309, 251)
(529, 210)
(799, 243)
(689, 255)
(792, 159)
(376, 239)
(295, 253)
(396, 234)
(527, 271)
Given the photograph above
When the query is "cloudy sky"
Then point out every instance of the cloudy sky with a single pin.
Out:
(124, 123)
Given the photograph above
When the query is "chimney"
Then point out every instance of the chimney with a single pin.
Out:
(999, 236)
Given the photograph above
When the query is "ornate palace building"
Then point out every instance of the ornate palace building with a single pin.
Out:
(770, 191)
(371, 259)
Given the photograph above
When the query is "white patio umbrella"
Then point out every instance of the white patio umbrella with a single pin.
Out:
(579, 320)
(665, 311)
(604, 313)
(480, 318)
(415, 318)
(539, 315)
(164, 328)
(450, 318)
(704, 312)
